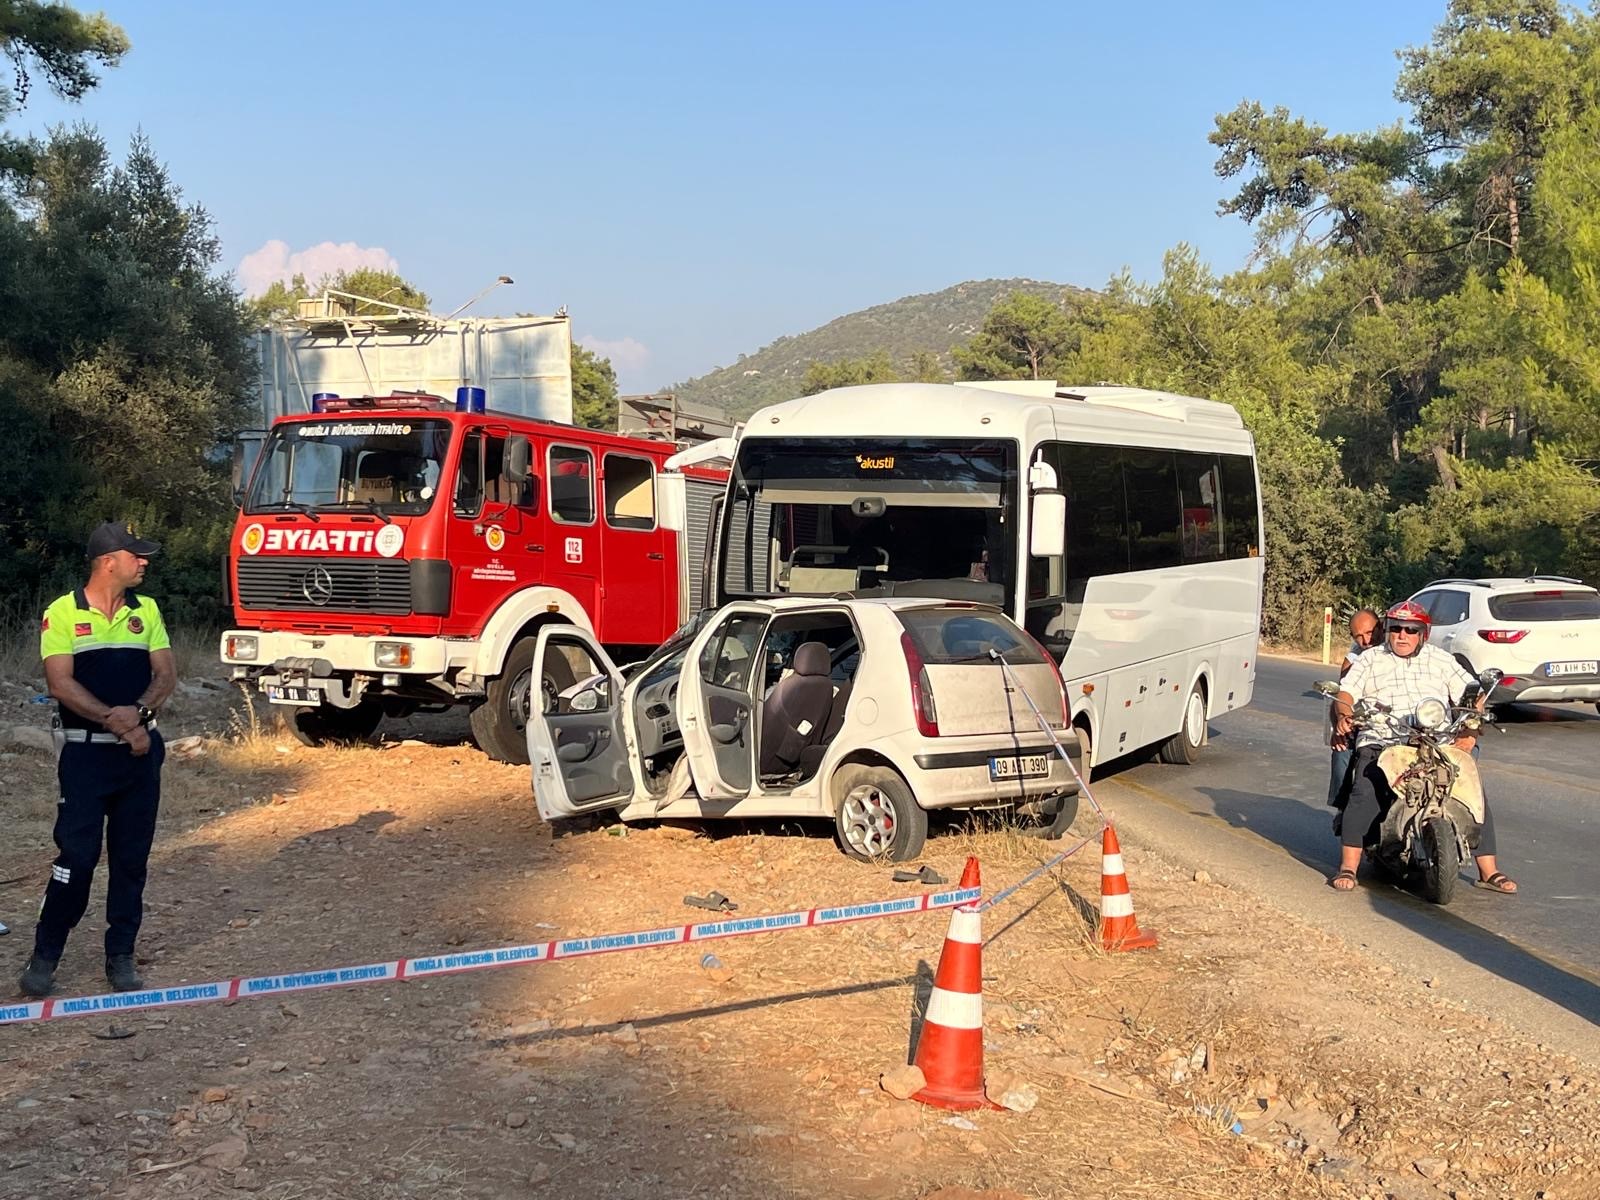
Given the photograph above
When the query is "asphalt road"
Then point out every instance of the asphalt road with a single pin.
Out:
(1254, 806)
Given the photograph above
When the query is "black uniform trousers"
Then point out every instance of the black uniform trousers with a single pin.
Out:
(105, 790)
(1370, 797)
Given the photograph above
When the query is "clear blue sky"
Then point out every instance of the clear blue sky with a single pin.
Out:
(695, 180)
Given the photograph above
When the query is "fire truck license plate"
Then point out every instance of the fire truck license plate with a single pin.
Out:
(291, 695)
(1028, 766)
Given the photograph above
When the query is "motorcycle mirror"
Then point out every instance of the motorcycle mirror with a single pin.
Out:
(1491, 677)
(1326, 687)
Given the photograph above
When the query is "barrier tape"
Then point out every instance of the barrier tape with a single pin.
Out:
(1006, 893)
(406, 969)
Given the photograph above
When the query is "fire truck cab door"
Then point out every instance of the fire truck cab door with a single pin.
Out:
(488, 528)
(576, 743)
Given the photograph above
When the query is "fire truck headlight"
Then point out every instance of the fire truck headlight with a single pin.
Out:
(241, 647)
(392, 654)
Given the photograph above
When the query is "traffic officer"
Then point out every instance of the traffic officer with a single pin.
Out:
(108, 663)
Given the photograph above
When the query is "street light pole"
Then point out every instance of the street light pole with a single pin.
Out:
(479, 296)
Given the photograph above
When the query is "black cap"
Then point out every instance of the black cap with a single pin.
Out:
(119, 535)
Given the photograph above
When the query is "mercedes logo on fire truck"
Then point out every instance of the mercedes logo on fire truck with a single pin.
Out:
(316, 585)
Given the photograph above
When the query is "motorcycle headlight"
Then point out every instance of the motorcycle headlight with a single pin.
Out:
(1431, 713)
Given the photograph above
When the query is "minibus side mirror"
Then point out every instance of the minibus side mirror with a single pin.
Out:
(246, 454)
(672, 501)
(1047, 534)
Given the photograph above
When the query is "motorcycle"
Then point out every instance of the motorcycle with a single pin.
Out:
(1430, 825)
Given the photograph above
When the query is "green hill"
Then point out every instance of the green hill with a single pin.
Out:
(935, 321)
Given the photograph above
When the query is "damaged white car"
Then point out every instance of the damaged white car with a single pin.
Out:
(868, 712)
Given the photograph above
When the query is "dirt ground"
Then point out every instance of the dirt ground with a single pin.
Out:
(650, 1074)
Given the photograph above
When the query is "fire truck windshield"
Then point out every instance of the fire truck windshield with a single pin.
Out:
(386, 465)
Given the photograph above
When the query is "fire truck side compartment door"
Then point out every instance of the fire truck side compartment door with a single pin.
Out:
(576, 743)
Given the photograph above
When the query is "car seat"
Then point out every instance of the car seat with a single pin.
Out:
(794, 713)
(811, 756)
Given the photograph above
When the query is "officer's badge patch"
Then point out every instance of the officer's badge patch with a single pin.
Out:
(135, 625)
(82, 629)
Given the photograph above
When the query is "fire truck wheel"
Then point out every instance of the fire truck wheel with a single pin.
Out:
(500, 723)
(325, 724)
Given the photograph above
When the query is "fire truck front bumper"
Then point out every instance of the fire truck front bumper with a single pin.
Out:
(257, 654)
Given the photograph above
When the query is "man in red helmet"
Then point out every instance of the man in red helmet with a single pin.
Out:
(1402, 673)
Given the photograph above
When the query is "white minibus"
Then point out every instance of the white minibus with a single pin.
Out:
(1146, 589)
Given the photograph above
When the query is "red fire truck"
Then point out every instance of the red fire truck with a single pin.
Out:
(400, 553)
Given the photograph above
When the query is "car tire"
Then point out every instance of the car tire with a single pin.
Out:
(500, 723)
(326, 725)
(876, 815)
(1183, 747)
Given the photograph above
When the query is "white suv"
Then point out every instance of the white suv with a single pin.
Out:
(869, 712)
(1542, 631)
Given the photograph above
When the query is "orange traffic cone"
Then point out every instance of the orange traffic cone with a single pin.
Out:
(1119, 928)
(950, 1050)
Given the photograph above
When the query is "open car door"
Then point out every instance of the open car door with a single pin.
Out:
(716, 704)
(576, 745)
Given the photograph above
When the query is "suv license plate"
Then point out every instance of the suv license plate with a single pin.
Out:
(1584, 667)
(1028, 766)
(292, 695)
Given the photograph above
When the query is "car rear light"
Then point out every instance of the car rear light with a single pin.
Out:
(921, 690)
(1502, 637)
(1061, 684)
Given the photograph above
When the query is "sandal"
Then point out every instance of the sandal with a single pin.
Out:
(1343, 881)
(1498, 882)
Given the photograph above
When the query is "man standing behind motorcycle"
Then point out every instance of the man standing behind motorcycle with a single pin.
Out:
(1402, 673)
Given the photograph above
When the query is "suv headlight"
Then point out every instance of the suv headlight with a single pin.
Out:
(241, 647)
(1431, 713)
(392, 654)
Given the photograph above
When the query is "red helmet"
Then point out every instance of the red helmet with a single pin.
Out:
(1410, 611)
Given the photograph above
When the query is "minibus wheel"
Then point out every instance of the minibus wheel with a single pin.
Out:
(1183, 747)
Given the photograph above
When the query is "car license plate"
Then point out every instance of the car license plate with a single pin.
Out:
(291, 695)
(1586, 666)
(1026, 766)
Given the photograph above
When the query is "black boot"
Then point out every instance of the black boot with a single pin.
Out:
(121, 975)
(38, 977)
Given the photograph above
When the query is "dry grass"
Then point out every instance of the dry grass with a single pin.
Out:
(371, 851)
(196, 650)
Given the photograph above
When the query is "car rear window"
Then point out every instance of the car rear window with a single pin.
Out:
(1546, 605)
(962, 635)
